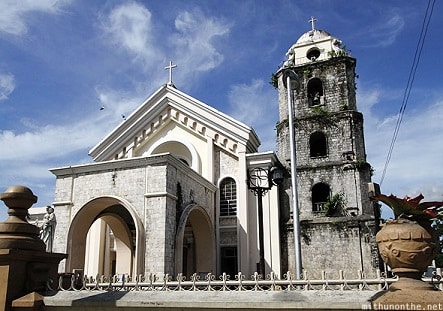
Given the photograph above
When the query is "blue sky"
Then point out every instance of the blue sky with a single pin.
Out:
(60, 61)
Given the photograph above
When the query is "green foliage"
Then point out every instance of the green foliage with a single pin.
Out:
(321, 116)
(308, 71)
(344, 107)
(338, 53)
(274, 81)
(320, 111)
(335, 204)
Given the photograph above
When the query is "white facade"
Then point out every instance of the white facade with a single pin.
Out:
(168, 194)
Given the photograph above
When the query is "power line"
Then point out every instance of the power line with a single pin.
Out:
(417, 56)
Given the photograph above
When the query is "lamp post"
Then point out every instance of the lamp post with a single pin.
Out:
(292, 82)
(259, 181)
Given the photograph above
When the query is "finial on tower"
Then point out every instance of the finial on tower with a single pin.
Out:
(312, 21)
(170, 67)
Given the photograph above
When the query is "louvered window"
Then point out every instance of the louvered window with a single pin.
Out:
(228, 197)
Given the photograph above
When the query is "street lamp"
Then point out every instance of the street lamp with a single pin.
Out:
(292, 82)
(259, 181)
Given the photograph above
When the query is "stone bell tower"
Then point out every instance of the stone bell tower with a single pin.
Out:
(336, 217)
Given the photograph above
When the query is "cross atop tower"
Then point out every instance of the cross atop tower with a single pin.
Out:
(312, 21)
(170, 67)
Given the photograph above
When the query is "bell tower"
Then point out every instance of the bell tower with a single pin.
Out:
(336, 217)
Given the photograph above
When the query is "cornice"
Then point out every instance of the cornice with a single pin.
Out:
(171, 105)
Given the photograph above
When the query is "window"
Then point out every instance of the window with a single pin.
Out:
(317, 145)
(320, 194)
(228, 197)
(229, 260)
(313, 54)
(315, 92)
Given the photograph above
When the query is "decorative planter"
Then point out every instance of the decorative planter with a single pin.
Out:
(407, 247)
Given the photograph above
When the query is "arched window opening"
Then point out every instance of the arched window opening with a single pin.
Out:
(228, 197)
(184, 161)
(315, 92)
(177, 149)
(320, 194)
(313, 54)
(317, 145)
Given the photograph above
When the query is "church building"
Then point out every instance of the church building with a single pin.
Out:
(180, 187)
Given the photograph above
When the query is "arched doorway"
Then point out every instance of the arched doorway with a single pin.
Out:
(195, 242)
(110, 244)
(106, 237)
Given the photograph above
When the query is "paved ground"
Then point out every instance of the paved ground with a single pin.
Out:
(181, 300)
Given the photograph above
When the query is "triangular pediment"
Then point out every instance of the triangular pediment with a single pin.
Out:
(170, 110)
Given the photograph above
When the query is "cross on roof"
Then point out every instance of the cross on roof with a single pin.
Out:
(170, 67)
(312, 21)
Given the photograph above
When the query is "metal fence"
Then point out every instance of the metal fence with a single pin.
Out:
(209, 282)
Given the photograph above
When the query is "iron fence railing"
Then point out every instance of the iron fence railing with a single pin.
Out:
(209, 282)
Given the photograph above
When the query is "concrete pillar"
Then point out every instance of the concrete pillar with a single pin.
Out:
(25, 266)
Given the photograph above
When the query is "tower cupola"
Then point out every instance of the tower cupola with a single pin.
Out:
(313, 45)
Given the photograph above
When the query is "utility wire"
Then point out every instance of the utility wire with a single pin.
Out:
(417, 55)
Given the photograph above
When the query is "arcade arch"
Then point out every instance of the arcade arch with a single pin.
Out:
(195, 242)
(115, 219)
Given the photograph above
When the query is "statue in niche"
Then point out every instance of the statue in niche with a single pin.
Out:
(47, 230)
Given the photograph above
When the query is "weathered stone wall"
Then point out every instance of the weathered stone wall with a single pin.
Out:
(331, 246)
(335, 243)
(150, 188)
(75, 190)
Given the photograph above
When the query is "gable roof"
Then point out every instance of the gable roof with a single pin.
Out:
(168, 103)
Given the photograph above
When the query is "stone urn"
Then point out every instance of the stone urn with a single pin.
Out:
(407, 247)
(408, 244)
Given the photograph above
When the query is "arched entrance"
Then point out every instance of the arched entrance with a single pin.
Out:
(106, 237)
(195, 242)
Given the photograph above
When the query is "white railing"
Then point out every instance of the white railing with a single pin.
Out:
(209, 282)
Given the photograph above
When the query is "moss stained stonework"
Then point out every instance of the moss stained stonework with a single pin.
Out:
(346, 240)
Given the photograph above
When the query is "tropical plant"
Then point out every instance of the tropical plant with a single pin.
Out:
(411, 208)
(334, 204)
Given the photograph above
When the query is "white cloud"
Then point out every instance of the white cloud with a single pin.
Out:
(192, 46)
(387, 30)
(13, 17)
(7, 85)
(195, 40)
(130, 27)
(415, 163)
(47, 142)
(256, 105)
(25, 157)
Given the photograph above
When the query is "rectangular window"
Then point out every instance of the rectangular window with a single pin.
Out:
(229, 261)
